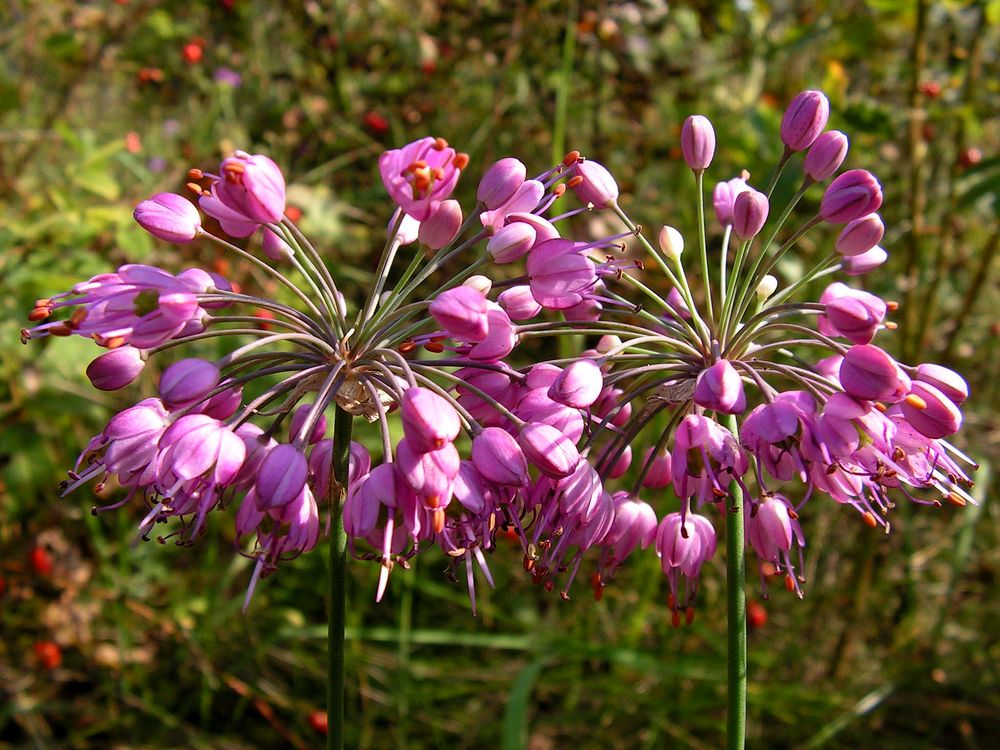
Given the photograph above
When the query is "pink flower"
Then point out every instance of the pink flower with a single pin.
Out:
(169, 217)
(804, 120)
(559, 274)
(422, 174)
(252, 186)
(720, 388)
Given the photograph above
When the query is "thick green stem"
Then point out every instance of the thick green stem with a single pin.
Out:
(342, 425)
(736, 616)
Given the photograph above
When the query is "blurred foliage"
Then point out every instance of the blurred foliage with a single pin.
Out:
(103, 103)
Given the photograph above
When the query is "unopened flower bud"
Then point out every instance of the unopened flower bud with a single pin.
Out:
(698, 142)
(429, 421)
(281, 477)
(480, 283)
(298, 421)
(497, 456)
(169, 217)
(461, 311)
(671, 242)
(578, 385)
(749, 213)
(608, 342)
(860, 235)
(720, 387)
(766, 287)
(116, 368)
(500, 182)
(949, 382)
(826, 155)
(858, 265)
(851, 196)
(407, 230)
(187, 382)
(442, 226)
(518, 303)
(723, 197)
(548, 449)
(512, 242)
(275, 247)
(598, 187)
(867, 372)
(931, 412)
(660, 471)
(804, 120)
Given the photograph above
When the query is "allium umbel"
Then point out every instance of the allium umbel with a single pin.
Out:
(745, 393)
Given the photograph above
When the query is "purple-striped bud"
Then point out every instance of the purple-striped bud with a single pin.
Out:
(698, 142)
(281, 477)
(621, 464)
(749, 213)
(544, 229)
(512, 242)
(859, 265)
(826, 155)
(949, 382)
(860, 235)
(187, 382)
(169, 217)
(854, 314)
(724, 196)
(634, 525)
(429, 421)
(869, 373)
(116, 368)
(931, 412)
(500, 182)
(547, 448)
(804, 120)
(542, 375)
(598, 187)
(299, 417)
(660, 471)
(579, 385)
(499, 459)
(769, 528)
(442, 226)
(720, 388)
(851, 196)
(461, 311)
(224, 403)
(518, 303)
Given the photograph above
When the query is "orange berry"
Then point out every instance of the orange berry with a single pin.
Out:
(49, 654)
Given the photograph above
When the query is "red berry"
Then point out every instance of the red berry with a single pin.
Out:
(49, 654)
(756, 614)
(192, 52)
(970, 157)
(317, 720)
(40, 561)
(930, 89)
(294, 213)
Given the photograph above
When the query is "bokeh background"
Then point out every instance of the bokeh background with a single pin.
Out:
(106, 645)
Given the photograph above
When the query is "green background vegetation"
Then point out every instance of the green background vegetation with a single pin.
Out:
(102, 103)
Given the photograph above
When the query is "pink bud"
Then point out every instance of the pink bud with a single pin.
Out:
(869, 373)
(621, 464)
(512, 242)
(931, 412)
(187, 382)
(659, 474)
(598, 187)
(461, 311)
(224, 403)
(253, 186)
(442, 226)
(497, 456)
(116, 368)
(698, 142)
(542, 375)
(169, 217)
(858, 265)
(518, 303)
(500, 182)
(851, 196)
(856, 316)
(428, 474)
(429, 421)
(826, 155)
(720, 387)
(275, 247)
(544, 229)
(804, 120)
(769, 528)
(299, 417)
(579, 385)
(501, 336)
(281, 477)
(634, 525)
(724, 196)
(949, 382)
(749, 213)
(860, 235)
(544, 446)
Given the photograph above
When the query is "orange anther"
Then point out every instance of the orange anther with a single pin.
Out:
(549, 586)
(880, 406)
(406, 347)
(440, 144)
(434, 346)
(671, 601)
(195, 174)
(869, 519)
(955, 499)
(438, 520)
(890, 326)
(114, 342)
(571, 158)
(892, 305)
(574, 181)
(79, 315)
(789, 583)
(461, 161)
(598, 593)
(60, 329)
(39, 313)
(689, 615)
(433, 501)
(558, 190)
(768, 569)
(528, 564)
(235, 168)
(916, 402)
(195, 188)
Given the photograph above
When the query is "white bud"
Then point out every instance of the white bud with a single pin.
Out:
(480, 283)
(384, 297)
(671, 242)
(766, 287)
(342, 303)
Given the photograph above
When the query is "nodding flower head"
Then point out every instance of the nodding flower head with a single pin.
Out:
(421, 175)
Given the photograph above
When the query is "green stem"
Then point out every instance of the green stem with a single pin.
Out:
(736, 616)
(342, 425)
